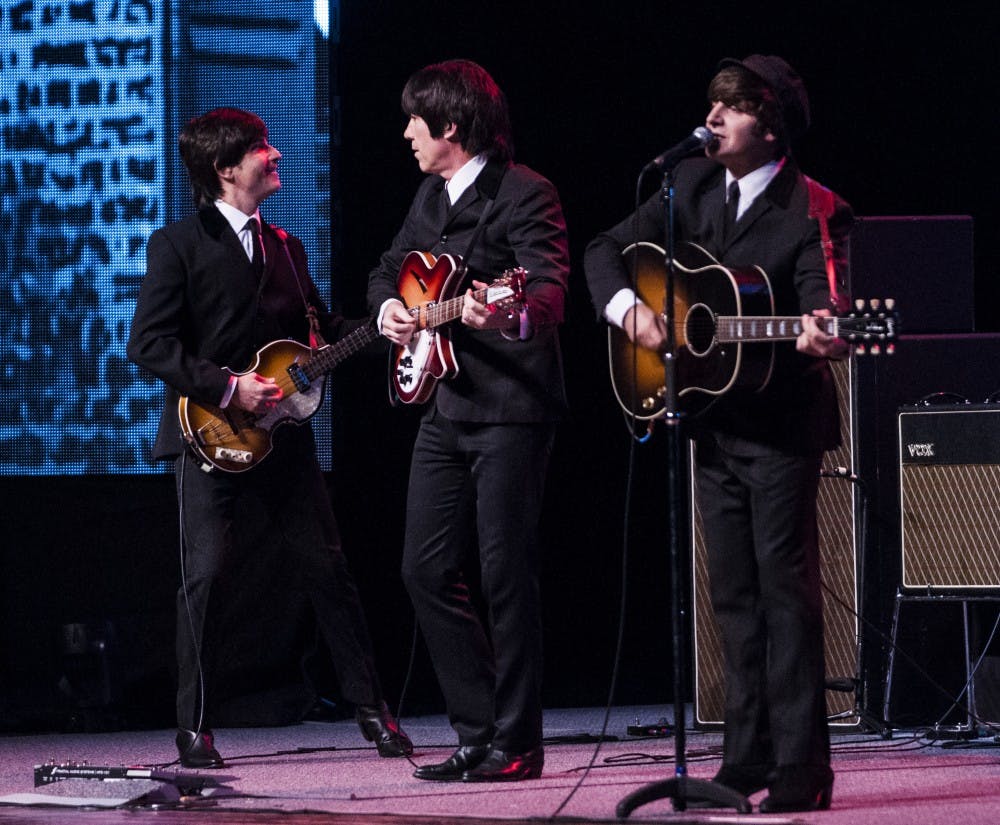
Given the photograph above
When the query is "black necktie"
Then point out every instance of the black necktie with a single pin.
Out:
(732, 207)
(257, 245)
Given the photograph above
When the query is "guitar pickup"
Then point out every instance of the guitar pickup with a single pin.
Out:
(299, 377)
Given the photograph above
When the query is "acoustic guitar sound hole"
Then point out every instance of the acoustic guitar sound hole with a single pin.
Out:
(699, 329)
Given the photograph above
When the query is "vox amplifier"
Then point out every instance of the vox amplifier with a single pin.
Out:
(949, 471)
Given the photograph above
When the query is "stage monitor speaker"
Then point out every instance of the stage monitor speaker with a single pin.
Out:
(837, 531)
(909, 258)
(949, 471)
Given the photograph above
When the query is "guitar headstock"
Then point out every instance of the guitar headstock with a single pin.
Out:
(871, 327)
(507, 291)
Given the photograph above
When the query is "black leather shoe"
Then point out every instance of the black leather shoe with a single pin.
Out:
(799, 788)
(502, 766)
(451, 770)
(197, 750)
(379, 726)
(744, 779)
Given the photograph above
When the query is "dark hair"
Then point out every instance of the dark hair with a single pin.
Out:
(463, 93)
(213, 141)
(743, 90)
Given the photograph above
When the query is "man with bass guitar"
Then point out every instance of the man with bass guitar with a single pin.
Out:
(492, 381)
(220, 287)
(757, 449)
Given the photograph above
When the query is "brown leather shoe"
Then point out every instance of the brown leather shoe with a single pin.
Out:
(379, 726)
(799, 788)
(452, 769)
(197, 750)
(502, 766)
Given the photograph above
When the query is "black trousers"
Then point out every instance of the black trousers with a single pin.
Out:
(467, 482)
(759, 511)
(279, 507)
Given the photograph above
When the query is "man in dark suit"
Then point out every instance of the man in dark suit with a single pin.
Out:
(757, 453)
(485, 438)
(219, 286)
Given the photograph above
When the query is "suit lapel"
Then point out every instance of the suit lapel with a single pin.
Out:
(775, 196)
(468, 197)
(759, 207)
(219, 229)
(272, 249)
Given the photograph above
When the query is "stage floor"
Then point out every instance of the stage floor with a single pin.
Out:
(326, 773)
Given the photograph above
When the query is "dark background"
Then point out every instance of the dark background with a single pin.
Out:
(901, 126)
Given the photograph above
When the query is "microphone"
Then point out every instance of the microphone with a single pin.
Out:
(668, 160)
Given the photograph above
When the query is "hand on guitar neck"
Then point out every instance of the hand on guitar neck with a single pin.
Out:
(647, 329)
(485, 316)
(399, 325)
(815, 340)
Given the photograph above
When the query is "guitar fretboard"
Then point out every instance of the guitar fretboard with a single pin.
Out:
(750, 328)
(328, 357)
(732, 328)
(441, 313)
(434, 315)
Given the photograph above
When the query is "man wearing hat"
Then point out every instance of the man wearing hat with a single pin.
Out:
(757, 451)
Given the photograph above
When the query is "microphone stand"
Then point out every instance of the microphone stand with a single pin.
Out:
(681, 788)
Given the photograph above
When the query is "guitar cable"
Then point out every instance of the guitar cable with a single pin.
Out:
(406, 680)
(619, 641)
(187, 601)
(626, 528)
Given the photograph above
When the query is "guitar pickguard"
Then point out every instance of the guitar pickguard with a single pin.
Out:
(413, 361)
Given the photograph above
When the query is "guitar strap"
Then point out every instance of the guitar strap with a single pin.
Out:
(315, 336)
(821, 207)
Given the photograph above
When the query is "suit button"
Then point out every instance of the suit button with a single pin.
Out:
(444, 239)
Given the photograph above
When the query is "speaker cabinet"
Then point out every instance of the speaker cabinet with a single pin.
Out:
(837, 530)
(909, 258)
(949, 478)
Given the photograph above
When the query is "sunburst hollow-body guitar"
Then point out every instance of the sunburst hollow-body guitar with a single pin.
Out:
(725, 331)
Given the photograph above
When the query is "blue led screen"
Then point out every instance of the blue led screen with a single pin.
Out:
(92, 95)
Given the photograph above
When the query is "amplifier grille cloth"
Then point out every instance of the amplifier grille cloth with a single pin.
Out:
(951, 525)
(835, 518)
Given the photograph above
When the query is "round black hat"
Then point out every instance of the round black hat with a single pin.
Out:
(786, 84)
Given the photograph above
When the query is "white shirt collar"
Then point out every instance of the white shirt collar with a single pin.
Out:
(752, 184)
(236, 219)
(465, 177)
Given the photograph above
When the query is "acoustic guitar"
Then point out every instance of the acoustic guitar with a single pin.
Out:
(725, 331)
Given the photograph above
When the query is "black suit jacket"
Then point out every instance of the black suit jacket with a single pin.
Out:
(797, 410)
(201, 309)
(499, 381)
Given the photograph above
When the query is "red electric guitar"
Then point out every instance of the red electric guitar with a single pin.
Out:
(428, 285)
